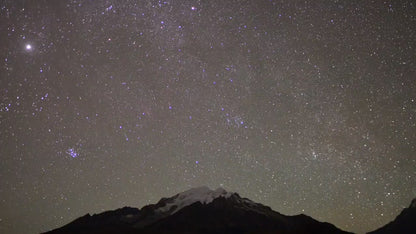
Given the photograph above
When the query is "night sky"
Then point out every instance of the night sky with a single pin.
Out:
(304, 106)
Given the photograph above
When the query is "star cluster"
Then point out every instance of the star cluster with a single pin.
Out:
(305, 106)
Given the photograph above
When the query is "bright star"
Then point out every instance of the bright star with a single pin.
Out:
(28, 47)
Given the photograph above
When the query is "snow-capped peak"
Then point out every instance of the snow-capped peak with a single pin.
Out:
(199, 194)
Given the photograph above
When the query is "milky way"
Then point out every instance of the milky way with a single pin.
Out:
(305, 106)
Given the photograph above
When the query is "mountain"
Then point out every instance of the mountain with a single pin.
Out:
(198, 210)
(405, 222)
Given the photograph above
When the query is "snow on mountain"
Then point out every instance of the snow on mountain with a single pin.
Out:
(204, 195)
(195, 211)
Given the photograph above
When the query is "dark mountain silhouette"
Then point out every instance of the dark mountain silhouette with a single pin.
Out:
(405, 222)
(198, 210)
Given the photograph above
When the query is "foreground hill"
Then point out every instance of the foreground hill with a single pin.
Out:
(405, 222)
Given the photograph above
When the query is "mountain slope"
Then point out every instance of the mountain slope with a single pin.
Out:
(198, 210)
(404, 223)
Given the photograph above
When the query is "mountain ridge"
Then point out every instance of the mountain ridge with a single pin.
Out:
(197, 210)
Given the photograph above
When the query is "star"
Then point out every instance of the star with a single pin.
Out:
(28, 47)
